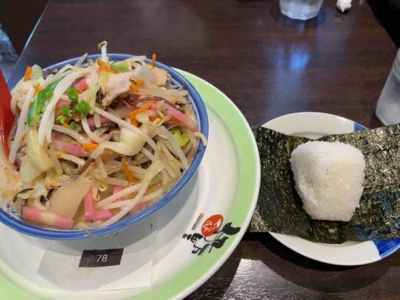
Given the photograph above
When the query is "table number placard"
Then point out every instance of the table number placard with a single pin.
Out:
(101, 258)
(121, 261)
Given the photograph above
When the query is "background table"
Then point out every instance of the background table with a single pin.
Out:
(268, 65)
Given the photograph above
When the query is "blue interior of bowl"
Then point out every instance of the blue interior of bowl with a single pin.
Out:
(13, 220)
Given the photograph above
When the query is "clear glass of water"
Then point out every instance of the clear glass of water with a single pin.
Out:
(388, 107)
(300, 9)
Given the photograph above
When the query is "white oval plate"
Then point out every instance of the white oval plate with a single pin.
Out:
(315, 125)
(187, 249)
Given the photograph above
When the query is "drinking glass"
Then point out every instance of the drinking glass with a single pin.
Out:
(300, 9)
(388, 107)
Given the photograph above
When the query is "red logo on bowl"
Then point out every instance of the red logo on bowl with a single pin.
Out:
(211, 225)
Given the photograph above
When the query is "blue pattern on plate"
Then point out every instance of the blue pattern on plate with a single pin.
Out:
(359, 127)
(385, 247)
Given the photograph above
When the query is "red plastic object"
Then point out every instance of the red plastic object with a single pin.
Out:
(6, 116)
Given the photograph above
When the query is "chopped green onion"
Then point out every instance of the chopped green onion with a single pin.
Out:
(82, 108)
(73, 126)
(61, 119)
(72, 94)
(40, 102)
(65, 110)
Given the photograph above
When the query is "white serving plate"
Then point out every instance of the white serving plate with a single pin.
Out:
(315, 125)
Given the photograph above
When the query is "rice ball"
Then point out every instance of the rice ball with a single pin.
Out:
(329, 179)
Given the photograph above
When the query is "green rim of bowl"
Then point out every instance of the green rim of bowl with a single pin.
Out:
(13, 286)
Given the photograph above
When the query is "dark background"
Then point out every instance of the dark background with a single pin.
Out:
(25, 14)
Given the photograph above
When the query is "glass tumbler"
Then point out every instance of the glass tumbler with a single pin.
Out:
(388, 107)
(300, 9)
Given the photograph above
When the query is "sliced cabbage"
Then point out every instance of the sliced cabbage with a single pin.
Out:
(38, 154)
(161, 76)
(29, 171)
(181, 138)
(130, 144)
(91, 96)
(104, 75)
(121, 66)
(37, 72)
(144, 73)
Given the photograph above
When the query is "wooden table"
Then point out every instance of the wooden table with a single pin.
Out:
(269, 66)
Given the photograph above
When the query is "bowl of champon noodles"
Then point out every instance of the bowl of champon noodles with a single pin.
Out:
(99, 143)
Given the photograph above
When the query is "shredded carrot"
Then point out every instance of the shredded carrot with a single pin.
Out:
(139, 82)
(174, 100)
(153, 60)
(28, 73)
(89, 146)
(108, 150)
(153, 118)
(103, 66)
(37, 88)
(133, 114)
(128, 173)
(59, 155)
(172, 122)
(94, 166)
(66, 125)
(134, 122)
(134, 87)
(23, 137)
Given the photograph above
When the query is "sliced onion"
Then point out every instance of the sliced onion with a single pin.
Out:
(68, 197)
